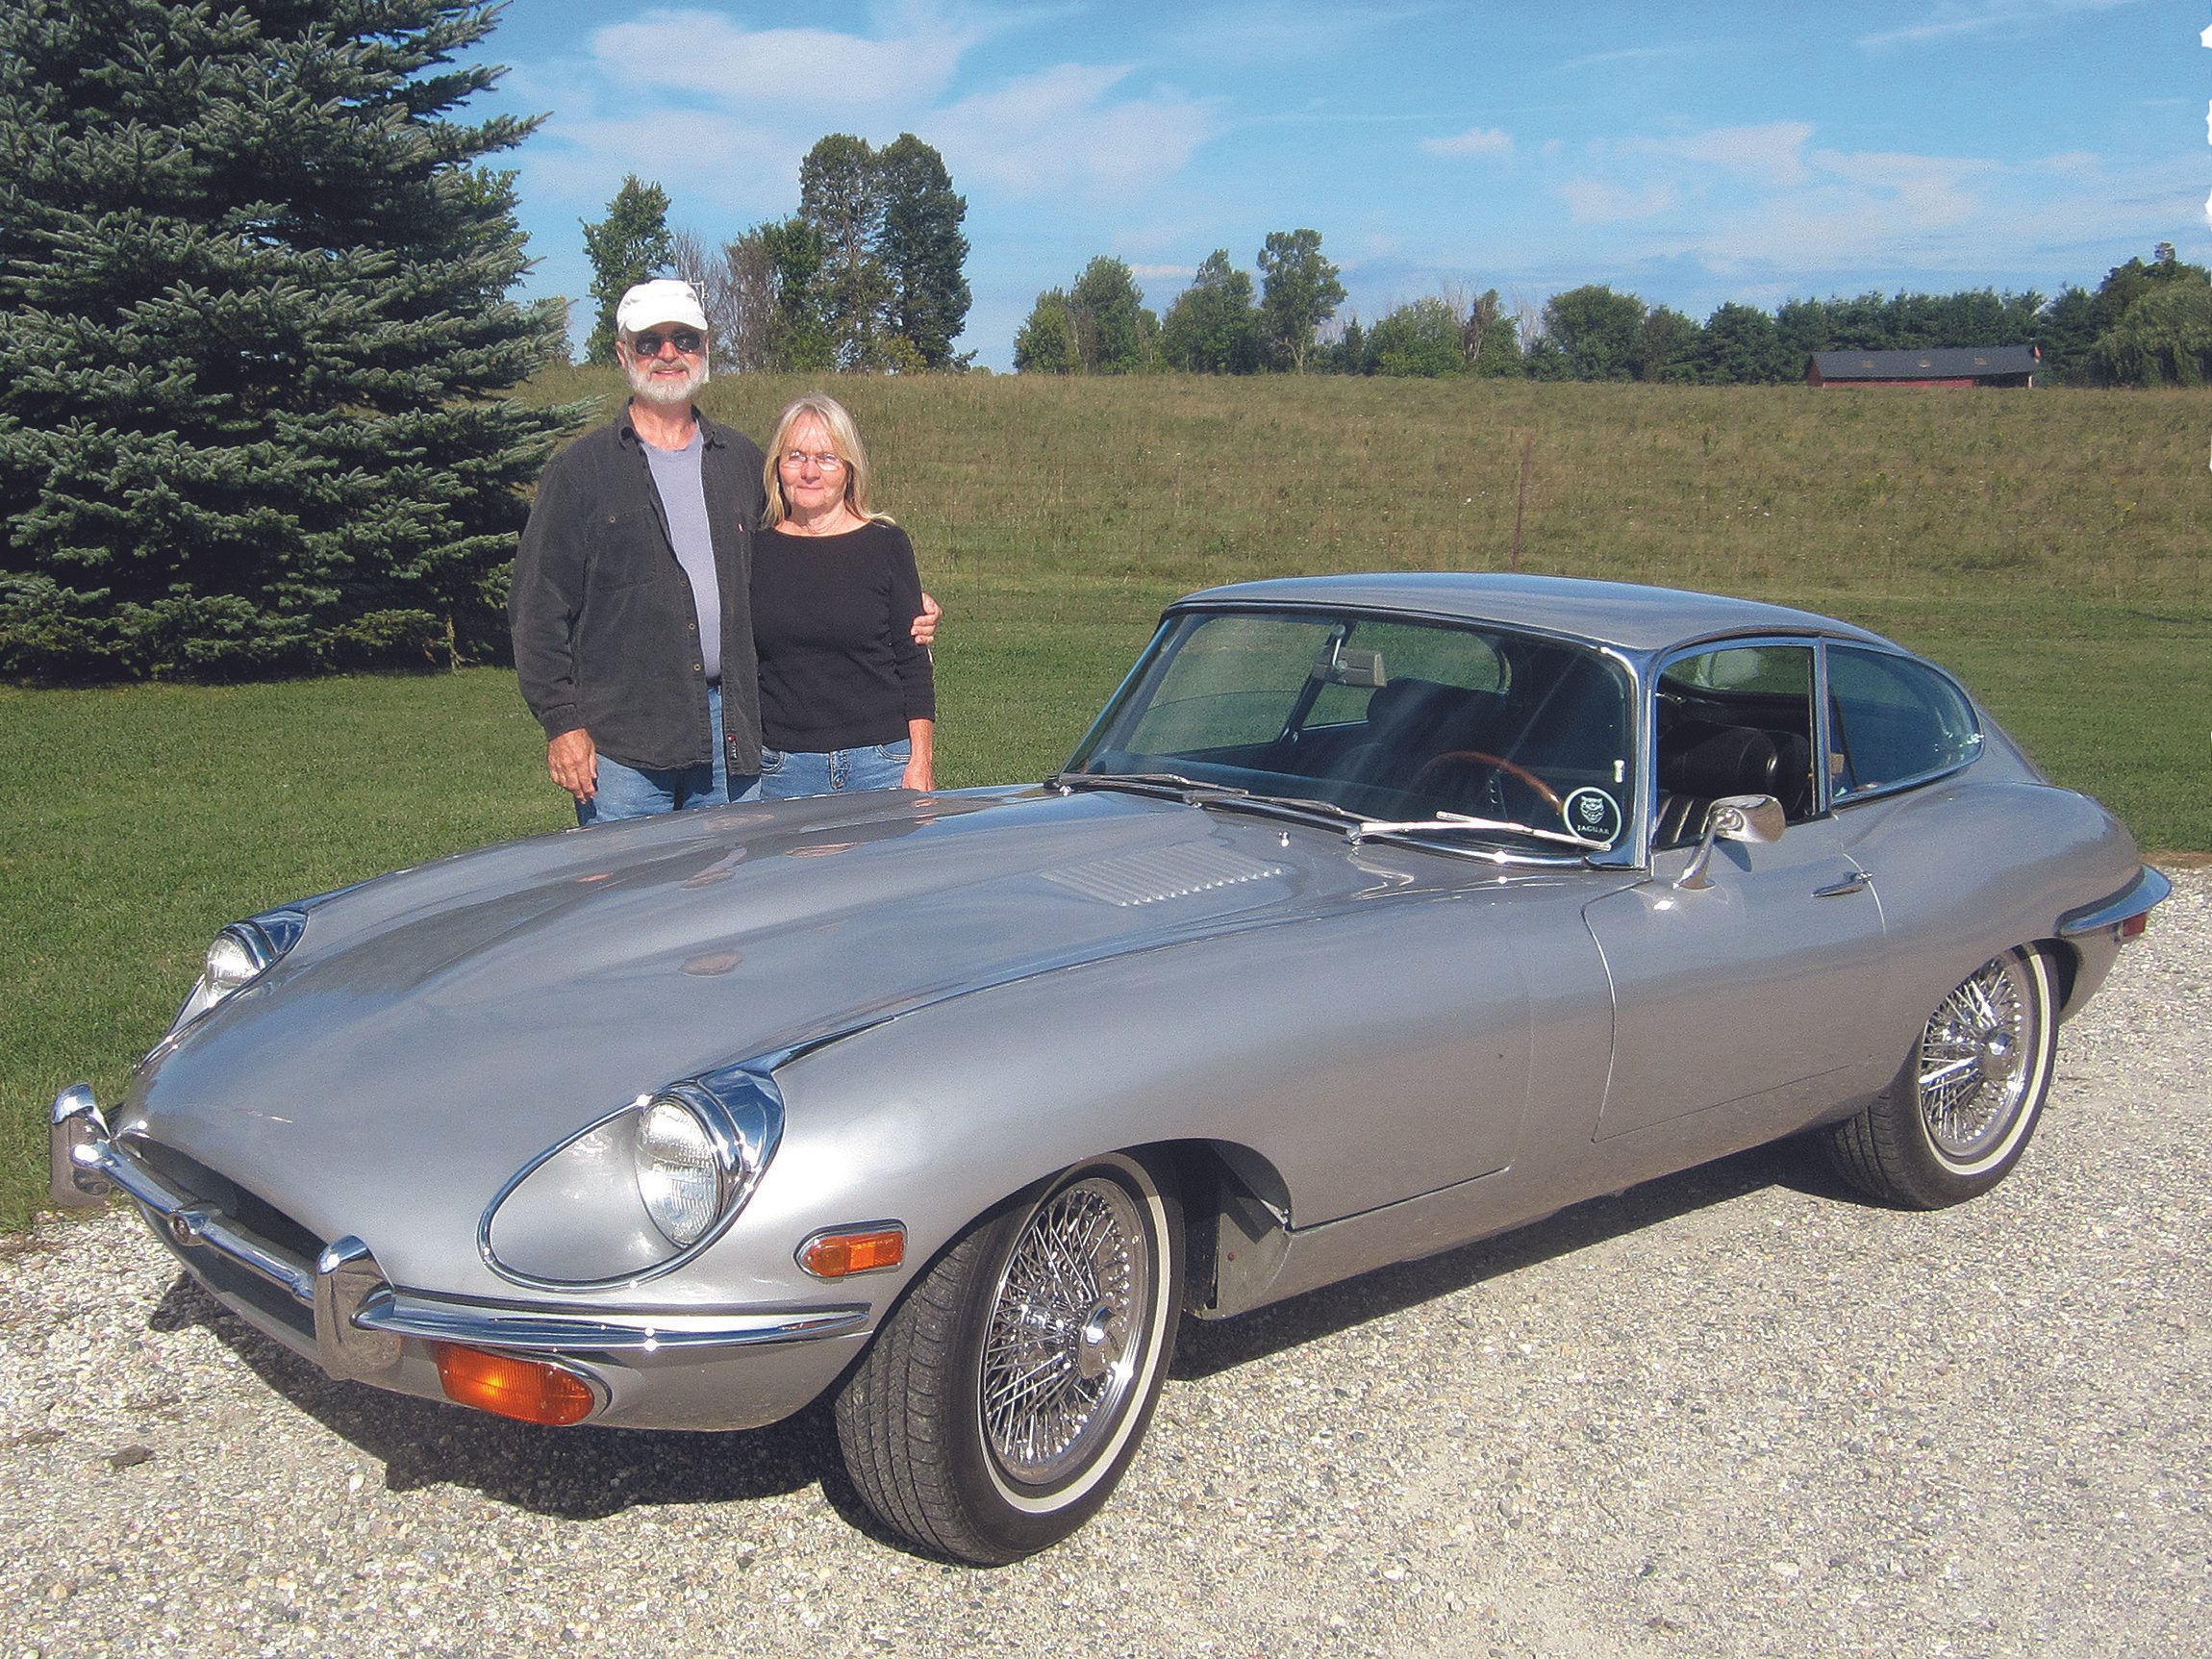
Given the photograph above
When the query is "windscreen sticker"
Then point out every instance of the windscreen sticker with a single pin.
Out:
(1591, 812)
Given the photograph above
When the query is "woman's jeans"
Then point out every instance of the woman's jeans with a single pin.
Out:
(789, 773)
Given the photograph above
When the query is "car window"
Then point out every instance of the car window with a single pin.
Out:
(1734, 721)
(1235, 681)
(1388, 717)
(1893, 720)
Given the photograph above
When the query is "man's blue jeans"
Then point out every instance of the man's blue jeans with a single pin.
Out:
(637, 793)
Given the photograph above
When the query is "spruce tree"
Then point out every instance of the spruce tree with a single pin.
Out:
(254, 338)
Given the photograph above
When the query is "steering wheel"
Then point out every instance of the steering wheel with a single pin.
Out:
(1498, 763)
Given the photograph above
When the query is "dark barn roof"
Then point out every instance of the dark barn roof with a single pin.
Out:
(1945, 363)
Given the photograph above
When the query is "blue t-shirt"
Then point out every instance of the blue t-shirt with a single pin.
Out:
(684, 499)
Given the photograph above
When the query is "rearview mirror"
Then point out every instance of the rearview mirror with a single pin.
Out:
(1752, 819)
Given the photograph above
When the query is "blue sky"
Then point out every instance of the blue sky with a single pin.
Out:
(1691, 153)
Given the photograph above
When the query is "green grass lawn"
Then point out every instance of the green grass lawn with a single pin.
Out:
(2044, 545)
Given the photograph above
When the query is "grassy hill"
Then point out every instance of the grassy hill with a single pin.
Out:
(2048, 546)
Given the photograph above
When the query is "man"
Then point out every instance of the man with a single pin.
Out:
(631, 605)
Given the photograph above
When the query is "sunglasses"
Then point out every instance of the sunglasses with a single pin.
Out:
(687, 340)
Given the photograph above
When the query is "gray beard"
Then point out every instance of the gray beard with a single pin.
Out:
(666, 392)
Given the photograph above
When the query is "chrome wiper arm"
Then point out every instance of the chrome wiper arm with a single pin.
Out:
(1171, 784)
(1466, 821)
(1304, 808)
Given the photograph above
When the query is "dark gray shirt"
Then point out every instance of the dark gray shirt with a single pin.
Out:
(606, 630)
(684, 499)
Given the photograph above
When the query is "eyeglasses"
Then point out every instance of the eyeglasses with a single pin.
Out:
(687, 340)
(829, 460)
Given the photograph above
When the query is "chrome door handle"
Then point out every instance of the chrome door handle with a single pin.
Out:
(1853, 882)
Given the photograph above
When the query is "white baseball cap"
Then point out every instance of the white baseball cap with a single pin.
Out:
(663, 299)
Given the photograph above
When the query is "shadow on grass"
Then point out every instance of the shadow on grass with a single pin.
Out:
(589, 1474)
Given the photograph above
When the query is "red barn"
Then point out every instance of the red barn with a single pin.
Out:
(1944, 365)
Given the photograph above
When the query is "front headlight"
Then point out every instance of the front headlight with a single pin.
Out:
(240, 954)
(642, 1189)
(679, 1176)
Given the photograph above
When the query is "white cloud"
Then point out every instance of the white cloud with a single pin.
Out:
(1773, 153)
(1060, 129)
(1597, 202)
(707, 55)
(720, 114)
(1474, 141)
(2015, 17)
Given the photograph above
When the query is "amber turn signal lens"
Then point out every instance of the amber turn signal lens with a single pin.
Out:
(840, 1255)
(2133, 927)
(506, 1387)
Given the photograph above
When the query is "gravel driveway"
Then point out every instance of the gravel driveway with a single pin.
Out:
(1729, 1413)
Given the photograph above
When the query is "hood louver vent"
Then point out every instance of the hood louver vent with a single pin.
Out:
(1152, 877)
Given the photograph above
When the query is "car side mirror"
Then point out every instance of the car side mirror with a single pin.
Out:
(1753, 818)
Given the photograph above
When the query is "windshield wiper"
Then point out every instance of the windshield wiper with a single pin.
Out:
(1448, 821)
(1173, 785)
(1357, 826)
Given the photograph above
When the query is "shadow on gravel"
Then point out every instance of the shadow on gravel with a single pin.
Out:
(1206, 1347)
(575, 1474)
(587, 1474)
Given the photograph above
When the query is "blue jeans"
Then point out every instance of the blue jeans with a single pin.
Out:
(640, 791)
(785, 774)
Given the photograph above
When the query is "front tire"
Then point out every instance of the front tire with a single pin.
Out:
(1005, 1395)
(1958, 1115)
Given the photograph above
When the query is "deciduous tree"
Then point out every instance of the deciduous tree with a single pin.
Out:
(1046, 343)
(1212, 328)
(1300, 293)
(1597, 331)
(628, 246)
(923, 251)
(840, 194)
(254, 338)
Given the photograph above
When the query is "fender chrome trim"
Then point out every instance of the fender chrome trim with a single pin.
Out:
(2148, 889)
(359, 1317)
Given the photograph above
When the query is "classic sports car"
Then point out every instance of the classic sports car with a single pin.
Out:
(1373, 915)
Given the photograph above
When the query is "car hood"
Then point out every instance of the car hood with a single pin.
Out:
(437, 1028)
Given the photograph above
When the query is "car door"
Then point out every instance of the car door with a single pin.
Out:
(1750, 991)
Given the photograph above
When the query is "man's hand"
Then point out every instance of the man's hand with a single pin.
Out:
(573, 759)
(925, 624)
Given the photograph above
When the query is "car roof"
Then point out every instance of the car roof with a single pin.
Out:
(1626, 614)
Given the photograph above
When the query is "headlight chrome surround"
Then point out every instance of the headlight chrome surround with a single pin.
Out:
(590, 1214)
(238, 956)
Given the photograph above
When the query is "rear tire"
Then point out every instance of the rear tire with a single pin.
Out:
(1958, 1114)
(1006, 1395)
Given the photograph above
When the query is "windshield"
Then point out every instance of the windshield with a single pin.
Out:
(1394, 721)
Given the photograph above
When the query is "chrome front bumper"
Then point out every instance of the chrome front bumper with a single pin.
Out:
(361, 1321)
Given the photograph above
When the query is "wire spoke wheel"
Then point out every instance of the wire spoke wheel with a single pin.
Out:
(1059, 1358)
(1008, 1390)
(1960, 1111)
(1974, 1059)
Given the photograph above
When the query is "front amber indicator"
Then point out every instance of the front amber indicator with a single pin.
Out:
(840, 1255)
(506, 1387)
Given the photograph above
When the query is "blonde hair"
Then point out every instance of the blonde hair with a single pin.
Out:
(844, 439)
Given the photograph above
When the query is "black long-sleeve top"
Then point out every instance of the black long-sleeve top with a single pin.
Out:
(833, 620)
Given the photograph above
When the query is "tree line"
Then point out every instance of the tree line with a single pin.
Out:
(868, 276)
(2148, 323)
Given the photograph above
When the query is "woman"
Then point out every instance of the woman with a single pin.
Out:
(847, 701)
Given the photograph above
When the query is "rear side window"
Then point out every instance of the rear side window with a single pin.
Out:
(1893, 721)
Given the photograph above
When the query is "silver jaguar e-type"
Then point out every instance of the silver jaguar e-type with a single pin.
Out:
(1373, 915)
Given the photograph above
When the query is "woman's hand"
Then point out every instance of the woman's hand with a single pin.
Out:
(925, 626)
(921, 769)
